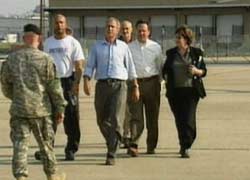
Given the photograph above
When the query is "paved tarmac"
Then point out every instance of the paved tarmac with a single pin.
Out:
(221, 151)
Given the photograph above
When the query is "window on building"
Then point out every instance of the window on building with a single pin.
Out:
(94, 27)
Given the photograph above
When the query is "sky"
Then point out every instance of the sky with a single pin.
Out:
(17, 7)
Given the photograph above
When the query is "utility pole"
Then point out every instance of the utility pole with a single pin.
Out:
(42, 24)
(42, 5)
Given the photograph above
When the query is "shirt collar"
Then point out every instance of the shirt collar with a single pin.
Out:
(187, 55)
(122, 39)
(105, 42)
(143, 45)
(188, 50)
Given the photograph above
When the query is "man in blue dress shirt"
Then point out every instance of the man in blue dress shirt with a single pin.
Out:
(112, 62)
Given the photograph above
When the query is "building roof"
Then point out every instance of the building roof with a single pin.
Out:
(144, 4)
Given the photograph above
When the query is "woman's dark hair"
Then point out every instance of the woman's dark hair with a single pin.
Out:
(186, 33)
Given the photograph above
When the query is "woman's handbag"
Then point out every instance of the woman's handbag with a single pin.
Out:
(198, 83)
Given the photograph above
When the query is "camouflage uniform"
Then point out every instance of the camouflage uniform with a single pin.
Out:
(29, 80)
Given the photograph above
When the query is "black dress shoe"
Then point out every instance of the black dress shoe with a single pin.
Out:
(133, 152)
(38, 155)
(125, 142)
(184, 153)
(69, 156)
(110, 161)
(150, 151)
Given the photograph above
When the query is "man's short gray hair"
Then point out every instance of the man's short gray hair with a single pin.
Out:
(114, 19)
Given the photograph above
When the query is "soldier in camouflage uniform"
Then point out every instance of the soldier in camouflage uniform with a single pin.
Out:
(29, 80)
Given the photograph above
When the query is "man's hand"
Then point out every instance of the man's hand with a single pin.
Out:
(86, 86)
(75, 89)
(59, 118)
(135, 94)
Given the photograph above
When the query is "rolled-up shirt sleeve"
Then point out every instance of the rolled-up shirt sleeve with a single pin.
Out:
(91, 63)
(130, 65)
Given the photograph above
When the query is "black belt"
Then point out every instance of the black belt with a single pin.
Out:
(147, 78)
(70, 77)
(110, 80)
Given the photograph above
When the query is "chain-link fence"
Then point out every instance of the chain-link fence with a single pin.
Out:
(217, 46)
(213, 46)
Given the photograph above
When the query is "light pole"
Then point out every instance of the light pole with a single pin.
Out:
(42, 4)
(201, 38)
(163, 35)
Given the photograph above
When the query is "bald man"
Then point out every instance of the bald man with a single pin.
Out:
(126, 31)
(127, 36)
(68, 59)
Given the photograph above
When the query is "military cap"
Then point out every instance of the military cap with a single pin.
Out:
(32, 28)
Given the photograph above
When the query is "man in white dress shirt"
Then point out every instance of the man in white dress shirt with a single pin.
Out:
(148, 60)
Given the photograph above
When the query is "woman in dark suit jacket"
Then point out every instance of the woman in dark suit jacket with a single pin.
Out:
(183, 72)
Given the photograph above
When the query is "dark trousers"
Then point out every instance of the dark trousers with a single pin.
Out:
(183, 104)
(72, 117)
(150, 101)
(110, 102)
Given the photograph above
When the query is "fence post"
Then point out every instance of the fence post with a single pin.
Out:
(201, 38)
(217, 49)
(227, 46)
(163, 34)
(96, 32)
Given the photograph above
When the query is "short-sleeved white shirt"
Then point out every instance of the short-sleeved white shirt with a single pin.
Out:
(64, 52)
